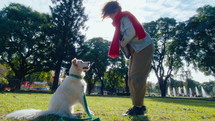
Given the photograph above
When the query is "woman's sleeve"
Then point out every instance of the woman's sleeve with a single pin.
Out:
(127, 30)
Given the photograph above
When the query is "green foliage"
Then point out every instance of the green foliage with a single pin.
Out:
(201, 44)
(3, 71)
(208, 86)
(40, 77)
(114, 79)
(67, 22)
(163, 31)
(116, 75)
(192, 40)
(24, 45)
(95, 50)
(149, 88)
(175, 83)
(3, 81)
(110, 73)
(192, 84)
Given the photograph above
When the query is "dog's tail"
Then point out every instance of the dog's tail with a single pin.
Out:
(27, 114)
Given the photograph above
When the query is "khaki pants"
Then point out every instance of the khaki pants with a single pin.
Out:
(139, 68)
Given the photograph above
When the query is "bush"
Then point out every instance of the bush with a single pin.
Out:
(3, 71)
(3, 83)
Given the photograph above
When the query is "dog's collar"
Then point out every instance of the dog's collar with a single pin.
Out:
(76, 76)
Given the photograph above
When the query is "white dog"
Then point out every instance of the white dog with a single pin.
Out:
(67, 95)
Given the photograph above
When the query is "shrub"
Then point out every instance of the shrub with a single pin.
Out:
(3, 83)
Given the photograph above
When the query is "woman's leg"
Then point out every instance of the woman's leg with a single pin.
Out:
(140, 65)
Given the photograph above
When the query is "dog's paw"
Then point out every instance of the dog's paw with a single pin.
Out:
(77, 113)
(91, 112)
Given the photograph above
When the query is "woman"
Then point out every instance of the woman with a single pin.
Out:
(137, 45)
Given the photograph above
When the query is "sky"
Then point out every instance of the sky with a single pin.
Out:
(144, 10)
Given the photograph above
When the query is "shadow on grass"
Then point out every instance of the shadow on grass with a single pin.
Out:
(58, 118)
(145, 118)
(186, 101)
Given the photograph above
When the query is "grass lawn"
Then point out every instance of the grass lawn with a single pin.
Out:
(112, 108)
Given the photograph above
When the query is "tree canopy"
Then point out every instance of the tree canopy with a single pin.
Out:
(96, 50)
(201, 44)
(67, 22)
(24, 45)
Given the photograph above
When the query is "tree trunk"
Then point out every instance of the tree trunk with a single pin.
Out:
(126, 84)
(56, 77)
(102, 87)
(20, 78)
(89, 88)
(163, 92)
(162, 87)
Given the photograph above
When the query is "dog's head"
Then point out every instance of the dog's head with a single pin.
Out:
(81, 65)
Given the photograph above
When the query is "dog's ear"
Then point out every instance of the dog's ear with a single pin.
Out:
(74, 62)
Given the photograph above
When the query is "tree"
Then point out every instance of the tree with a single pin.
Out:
(201, 44)
(3, 71)
(149, 87)
(3, 81)
(123, 69)
(116, 75)
(113, 79)
(67, 22)
(24, 45)
(208, 86)
(175, 83)
(95, 50)
(40, 77)
(165, 60)
(192, 84)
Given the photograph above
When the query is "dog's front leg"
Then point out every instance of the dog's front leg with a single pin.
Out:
(84, 104)
(75, 113)
(72, 109)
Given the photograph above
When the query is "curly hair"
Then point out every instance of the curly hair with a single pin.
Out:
(110, 8)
